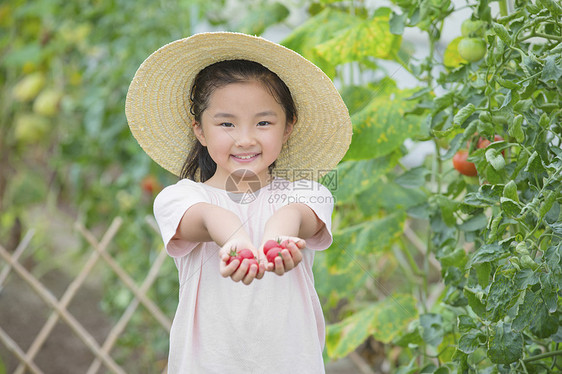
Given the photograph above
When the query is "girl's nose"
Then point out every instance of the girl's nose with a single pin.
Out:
(245, 138)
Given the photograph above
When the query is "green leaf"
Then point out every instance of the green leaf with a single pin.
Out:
(432, 328)
(316, 30)
(262, 17)
(353, 243)
(448, 208)
(397, 22)
(395, 197)
(550, 286)
(365, 40)
(505, 345)
(409, 338)
(527, 310)
(382, 126)
(501, 32)
(356, 97)
(413, 178)
(31, 52)
(451, 56)
(510, 207)
(543, 324)
(488, 253)
(524, 279)
(465, 322)
(495, 159)
(552, 6)
(474, 297)
(384, 320)
(469, 341)
(534, 164)
(334, 286)
(523, 105)
(474, 223)
(463, 114)
(552, 257)
(500, 297)
(483, 272)
(550, 198)
(551, 71)
(456, 258)
(392, 316)
(510, 191)
(354, 177)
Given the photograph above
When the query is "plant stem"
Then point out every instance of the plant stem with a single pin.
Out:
(413, 265)
(543, 355)
(503, 8)
(523, 366)
(554, 360)
(541, 35)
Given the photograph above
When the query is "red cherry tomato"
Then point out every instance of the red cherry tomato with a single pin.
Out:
(483, 142)
(462, 165)
(246, 253)
(252, 262)
(270, 244)
(272, 254)
(150, 184)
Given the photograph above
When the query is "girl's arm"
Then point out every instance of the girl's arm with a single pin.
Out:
(294, 221)
(204, 222)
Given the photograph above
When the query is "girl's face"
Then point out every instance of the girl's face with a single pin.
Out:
(243, 128)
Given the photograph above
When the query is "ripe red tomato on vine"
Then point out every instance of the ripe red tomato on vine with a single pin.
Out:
(468, 168)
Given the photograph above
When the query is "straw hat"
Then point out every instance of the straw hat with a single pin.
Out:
(157, 105)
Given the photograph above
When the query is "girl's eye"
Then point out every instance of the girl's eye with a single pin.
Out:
(226, 124)
(263, 123)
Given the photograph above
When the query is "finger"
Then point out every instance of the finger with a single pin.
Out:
(248, 278)
(296, 253)
(279, 267)
(288, 262)
(261, 270)
(241, 271)
(269, 266)
(227, 270)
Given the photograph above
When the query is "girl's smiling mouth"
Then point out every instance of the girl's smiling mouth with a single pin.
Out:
(246, 156)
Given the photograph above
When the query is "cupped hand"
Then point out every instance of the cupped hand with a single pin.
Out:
(236, 270)
(290, 257)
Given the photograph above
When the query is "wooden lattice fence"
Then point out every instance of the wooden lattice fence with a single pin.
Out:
(103, 361)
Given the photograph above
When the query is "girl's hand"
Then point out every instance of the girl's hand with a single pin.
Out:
(245, 272)
(290, 257)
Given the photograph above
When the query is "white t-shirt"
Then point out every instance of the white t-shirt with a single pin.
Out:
(275, 324)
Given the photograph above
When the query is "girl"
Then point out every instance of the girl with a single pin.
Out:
(240, 119)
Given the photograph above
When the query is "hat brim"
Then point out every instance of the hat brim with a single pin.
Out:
(157, 104)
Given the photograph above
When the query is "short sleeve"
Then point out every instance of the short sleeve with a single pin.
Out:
(321, 201)
(169, 207)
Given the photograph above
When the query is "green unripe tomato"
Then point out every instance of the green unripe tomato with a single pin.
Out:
(472, 49)
(28, 88)
(472, 28)
(47, 103)
(31, 129)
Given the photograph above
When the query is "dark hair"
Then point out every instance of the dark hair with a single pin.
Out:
(219, 75)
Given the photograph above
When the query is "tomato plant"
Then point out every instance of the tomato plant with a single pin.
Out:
(485, 256)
